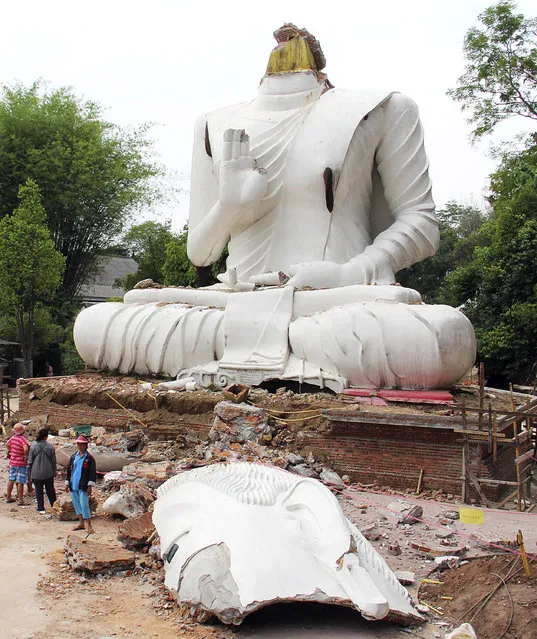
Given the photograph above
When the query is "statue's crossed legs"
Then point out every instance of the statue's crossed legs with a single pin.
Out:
(362, 336)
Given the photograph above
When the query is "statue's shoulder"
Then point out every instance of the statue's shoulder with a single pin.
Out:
(355, 100)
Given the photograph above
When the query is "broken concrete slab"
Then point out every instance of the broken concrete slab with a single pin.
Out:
(94, 558)
(405, 577)
(136, 531)
(153, 475)
(412, 516)
(131, 500)
(238, 423)
(64, 510)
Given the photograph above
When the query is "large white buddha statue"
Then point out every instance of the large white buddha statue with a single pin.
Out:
(321, 196)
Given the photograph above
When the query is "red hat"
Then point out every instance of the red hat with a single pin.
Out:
(81, 439)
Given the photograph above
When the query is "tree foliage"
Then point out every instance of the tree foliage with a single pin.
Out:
(500, 78)
(178, 270)
(162, 256)
(92, 175)
(499, 289)
(31, 268)
(146, 243)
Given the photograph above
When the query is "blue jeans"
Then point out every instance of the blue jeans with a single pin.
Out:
(80, 501)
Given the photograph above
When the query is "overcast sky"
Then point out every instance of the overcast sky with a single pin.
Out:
(167, 61)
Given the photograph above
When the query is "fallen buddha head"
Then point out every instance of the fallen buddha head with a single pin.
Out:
(238, 537)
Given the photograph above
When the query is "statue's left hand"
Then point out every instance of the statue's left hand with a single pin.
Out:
(316, 275)
(359, 270)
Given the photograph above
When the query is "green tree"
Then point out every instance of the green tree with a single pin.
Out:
(501, 290)
(92, 174)
(146, 243)
(178, 269)
(31, 268)
(500, 78)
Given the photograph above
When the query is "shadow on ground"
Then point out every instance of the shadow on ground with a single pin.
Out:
(294, 621)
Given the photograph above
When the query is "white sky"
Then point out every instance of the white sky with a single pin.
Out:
(167, 61)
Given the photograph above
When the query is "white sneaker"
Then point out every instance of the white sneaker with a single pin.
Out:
(42, 512)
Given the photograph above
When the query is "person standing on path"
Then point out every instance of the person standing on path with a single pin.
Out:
(42, 469)
(81, 477)
(17, 452)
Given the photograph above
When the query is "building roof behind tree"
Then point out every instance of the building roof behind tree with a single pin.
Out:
(102, 283)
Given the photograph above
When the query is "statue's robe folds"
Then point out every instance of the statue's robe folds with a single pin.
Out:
(377, 201)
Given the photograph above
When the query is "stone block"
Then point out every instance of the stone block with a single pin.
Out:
(63, 508)
(92, 557)
(136, 531)
(151, 474)
(238, 423)
(131, 500)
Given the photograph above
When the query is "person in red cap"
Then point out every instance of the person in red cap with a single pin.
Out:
(81, 477)
(17, 452)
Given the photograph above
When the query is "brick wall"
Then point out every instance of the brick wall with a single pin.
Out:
(395, 455)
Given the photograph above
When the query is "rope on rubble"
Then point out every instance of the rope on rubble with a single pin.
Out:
(132, 415)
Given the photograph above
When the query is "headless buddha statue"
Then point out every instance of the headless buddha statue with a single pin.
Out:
(321, 196)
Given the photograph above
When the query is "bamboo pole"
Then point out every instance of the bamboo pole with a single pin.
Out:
(481, 392)
(517, 453)
(495, 441)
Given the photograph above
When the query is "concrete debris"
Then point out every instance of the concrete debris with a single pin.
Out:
(331, 477)
(371, 532)
(413, 516)
(304, 471)
(447, 562)
(443, 534)
(158, 452)
(91, 557)
(63, 507)
(485, 539)
(238, 423)
(404, 513)
(394, 549)
(152, 475)
(463, 632)
(449, 514)
(136, 531)
(131, 500)
(405, 577)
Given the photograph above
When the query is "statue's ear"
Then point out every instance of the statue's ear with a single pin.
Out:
(321, 519)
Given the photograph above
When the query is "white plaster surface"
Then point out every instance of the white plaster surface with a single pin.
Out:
(259, 185)
(247, 535)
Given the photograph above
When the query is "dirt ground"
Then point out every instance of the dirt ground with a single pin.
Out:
(42, 598)
(510, 613)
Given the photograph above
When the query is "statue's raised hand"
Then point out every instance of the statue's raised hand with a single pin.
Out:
(242, 183)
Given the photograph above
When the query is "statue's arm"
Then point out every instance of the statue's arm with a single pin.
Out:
(207, 235)
(220, 206)
(403, 168)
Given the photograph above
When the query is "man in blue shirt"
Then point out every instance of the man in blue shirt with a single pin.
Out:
(81, 477)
